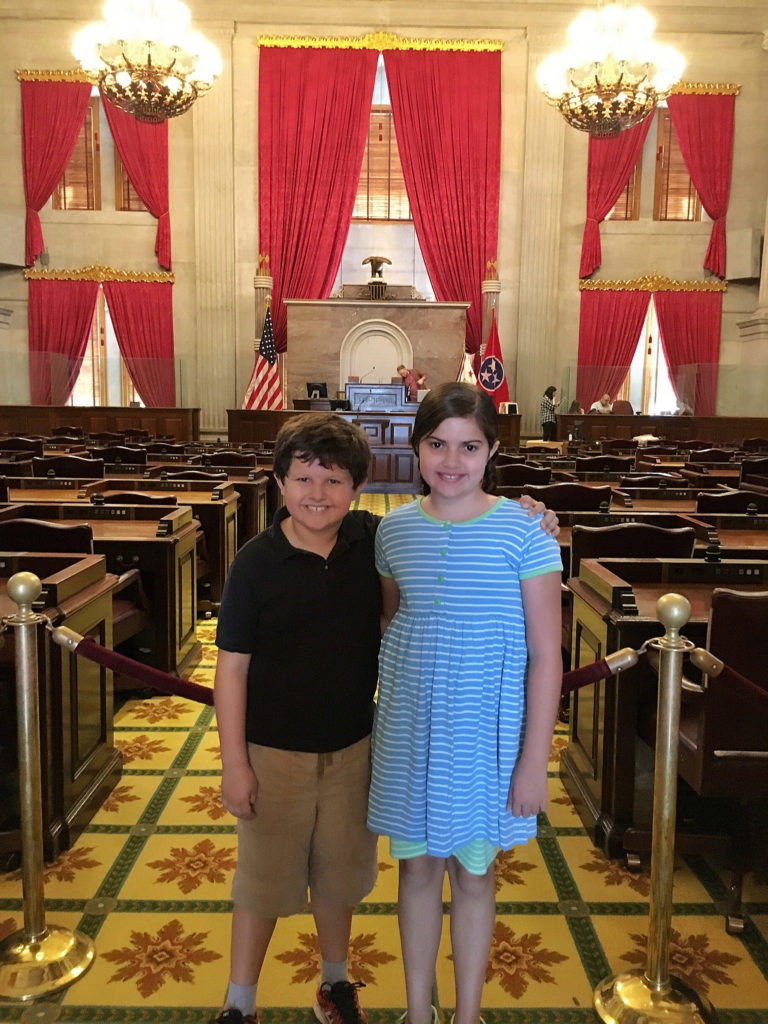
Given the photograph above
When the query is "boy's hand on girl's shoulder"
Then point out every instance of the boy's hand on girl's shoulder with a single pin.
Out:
(549, 523)
(239, 789)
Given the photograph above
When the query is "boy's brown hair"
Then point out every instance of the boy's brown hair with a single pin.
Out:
(324, 437)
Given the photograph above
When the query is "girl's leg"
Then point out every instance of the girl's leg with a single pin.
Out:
(420, 917)
(473, 910)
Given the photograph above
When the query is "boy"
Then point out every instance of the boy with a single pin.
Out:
(298, 637)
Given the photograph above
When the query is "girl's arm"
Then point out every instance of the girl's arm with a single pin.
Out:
(239, 786)
(541, 605)
(390, 600)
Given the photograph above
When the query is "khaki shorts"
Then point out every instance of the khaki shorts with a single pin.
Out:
(309, 831)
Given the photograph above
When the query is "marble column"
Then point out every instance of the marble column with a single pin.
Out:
(215, 283)
(537, 348)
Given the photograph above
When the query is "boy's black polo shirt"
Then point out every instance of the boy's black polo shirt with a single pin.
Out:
(312, 627)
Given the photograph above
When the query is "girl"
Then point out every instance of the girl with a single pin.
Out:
(470, 675)
(547, 412)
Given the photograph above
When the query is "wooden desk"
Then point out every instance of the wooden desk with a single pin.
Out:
(706, 477)
(181, 424)
(614, 606)
(714, 429)
(79, 762)
(160, 542)
(214, 507)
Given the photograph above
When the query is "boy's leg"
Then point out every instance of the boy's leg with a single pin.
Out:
(420, 918)
(473, 911)
(333, 921)
(250, 940)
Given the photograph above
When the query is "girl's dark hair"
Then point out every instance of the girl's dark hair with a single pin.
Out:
(325, 437)
(550, 390)
(447, 401)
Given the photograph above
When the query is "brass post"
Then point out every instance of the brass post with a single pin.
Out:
(653, 996)
(39, 959)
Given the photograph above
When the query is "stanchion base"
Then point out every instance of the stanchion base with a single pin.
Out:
(629, 999)
(30, 970)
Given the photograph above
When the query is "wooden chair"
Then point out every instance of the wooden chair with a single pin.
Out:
(711, 455)
(657, 449)
(692, 445)
(67, 432)
(570, 497)
(621, 407)
(136, 434)
(72, 466)
(754, 470)
(194, 474)
(121, 453)
(165, 448)
(755, 444)
(604, 464)
(517, 474)
(135, 498)
(723, 734)
(130, 609)
(229, 458)
(652, 480)
(629, 540)
(32, 445)
(612, 445)
(732, 501)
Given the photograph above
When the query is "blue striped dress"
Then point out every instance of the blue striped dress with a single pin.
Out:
(452, 668)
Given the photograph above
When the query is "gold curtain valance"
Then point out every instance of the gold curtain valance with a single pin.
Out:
(380, 41)
(76, 75)
(706, 89)
(97, 273)
(653, 283)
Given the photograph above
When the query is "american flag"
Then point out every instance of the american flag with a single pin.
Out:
(264, 391)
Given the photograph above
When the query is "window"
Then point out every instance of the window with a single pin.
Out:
(648, 385)
(103, 377)
(126, 196)
(627, 206)
(80, 185)
(675, 198)
(381, 190)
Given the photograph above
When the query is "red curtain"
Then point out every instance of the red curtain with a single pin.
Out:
(60, 318)
(609, 166)
(143, 149)
(704, 126)
(142, 315)
(314, 106)
(51, 116)
(446, 108)
(689, 325)
(609, 328)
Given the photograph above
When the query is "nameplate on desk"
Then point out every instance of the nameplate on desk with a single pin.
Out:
(164, 528)
(105, 512)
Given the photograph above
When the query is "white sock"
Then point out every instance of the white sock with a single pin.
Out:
(333, 972)
(241, 997)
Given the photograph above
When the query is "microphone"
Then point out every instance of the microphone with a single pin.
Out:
(364, 375)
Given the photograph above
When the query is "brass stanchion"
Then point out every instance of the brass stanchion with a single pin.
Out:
(41, 958)
(653, 995)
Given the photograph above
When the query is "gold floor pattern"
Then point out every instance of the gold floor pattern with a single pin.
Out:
(149, 881)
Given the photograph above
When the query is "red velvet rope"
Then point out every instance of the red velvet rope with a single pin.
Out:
(153, 677)
(167, 683)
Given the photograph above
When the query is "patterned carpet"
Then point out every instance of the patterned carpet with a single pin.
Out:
(149, 882)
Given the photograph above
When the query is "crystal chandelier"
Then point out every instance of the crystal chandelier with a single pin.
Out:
(145, 58)
(612, 74)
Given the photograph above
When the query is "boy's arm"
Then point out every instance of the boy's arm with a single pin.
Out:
(239, 786)
(541, 606)
(390, 600)
(549, 523)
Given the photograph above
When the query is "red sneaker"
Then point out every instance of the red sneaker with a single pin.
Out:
(337, 1003)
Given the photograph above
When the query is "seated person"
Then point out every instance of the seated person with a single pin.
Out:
(413, 380)
(603, 406)
(575, 409)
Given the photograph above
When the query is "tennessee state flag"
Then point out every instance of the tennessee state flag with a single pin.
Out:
(490, 376)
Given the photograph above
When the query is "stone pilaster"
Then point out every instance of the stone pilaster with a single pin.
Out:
(215, 291)
(537, 348)
(755, 329)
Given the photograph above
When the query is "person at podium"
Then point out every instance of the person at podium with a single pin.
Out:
(413, 380)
